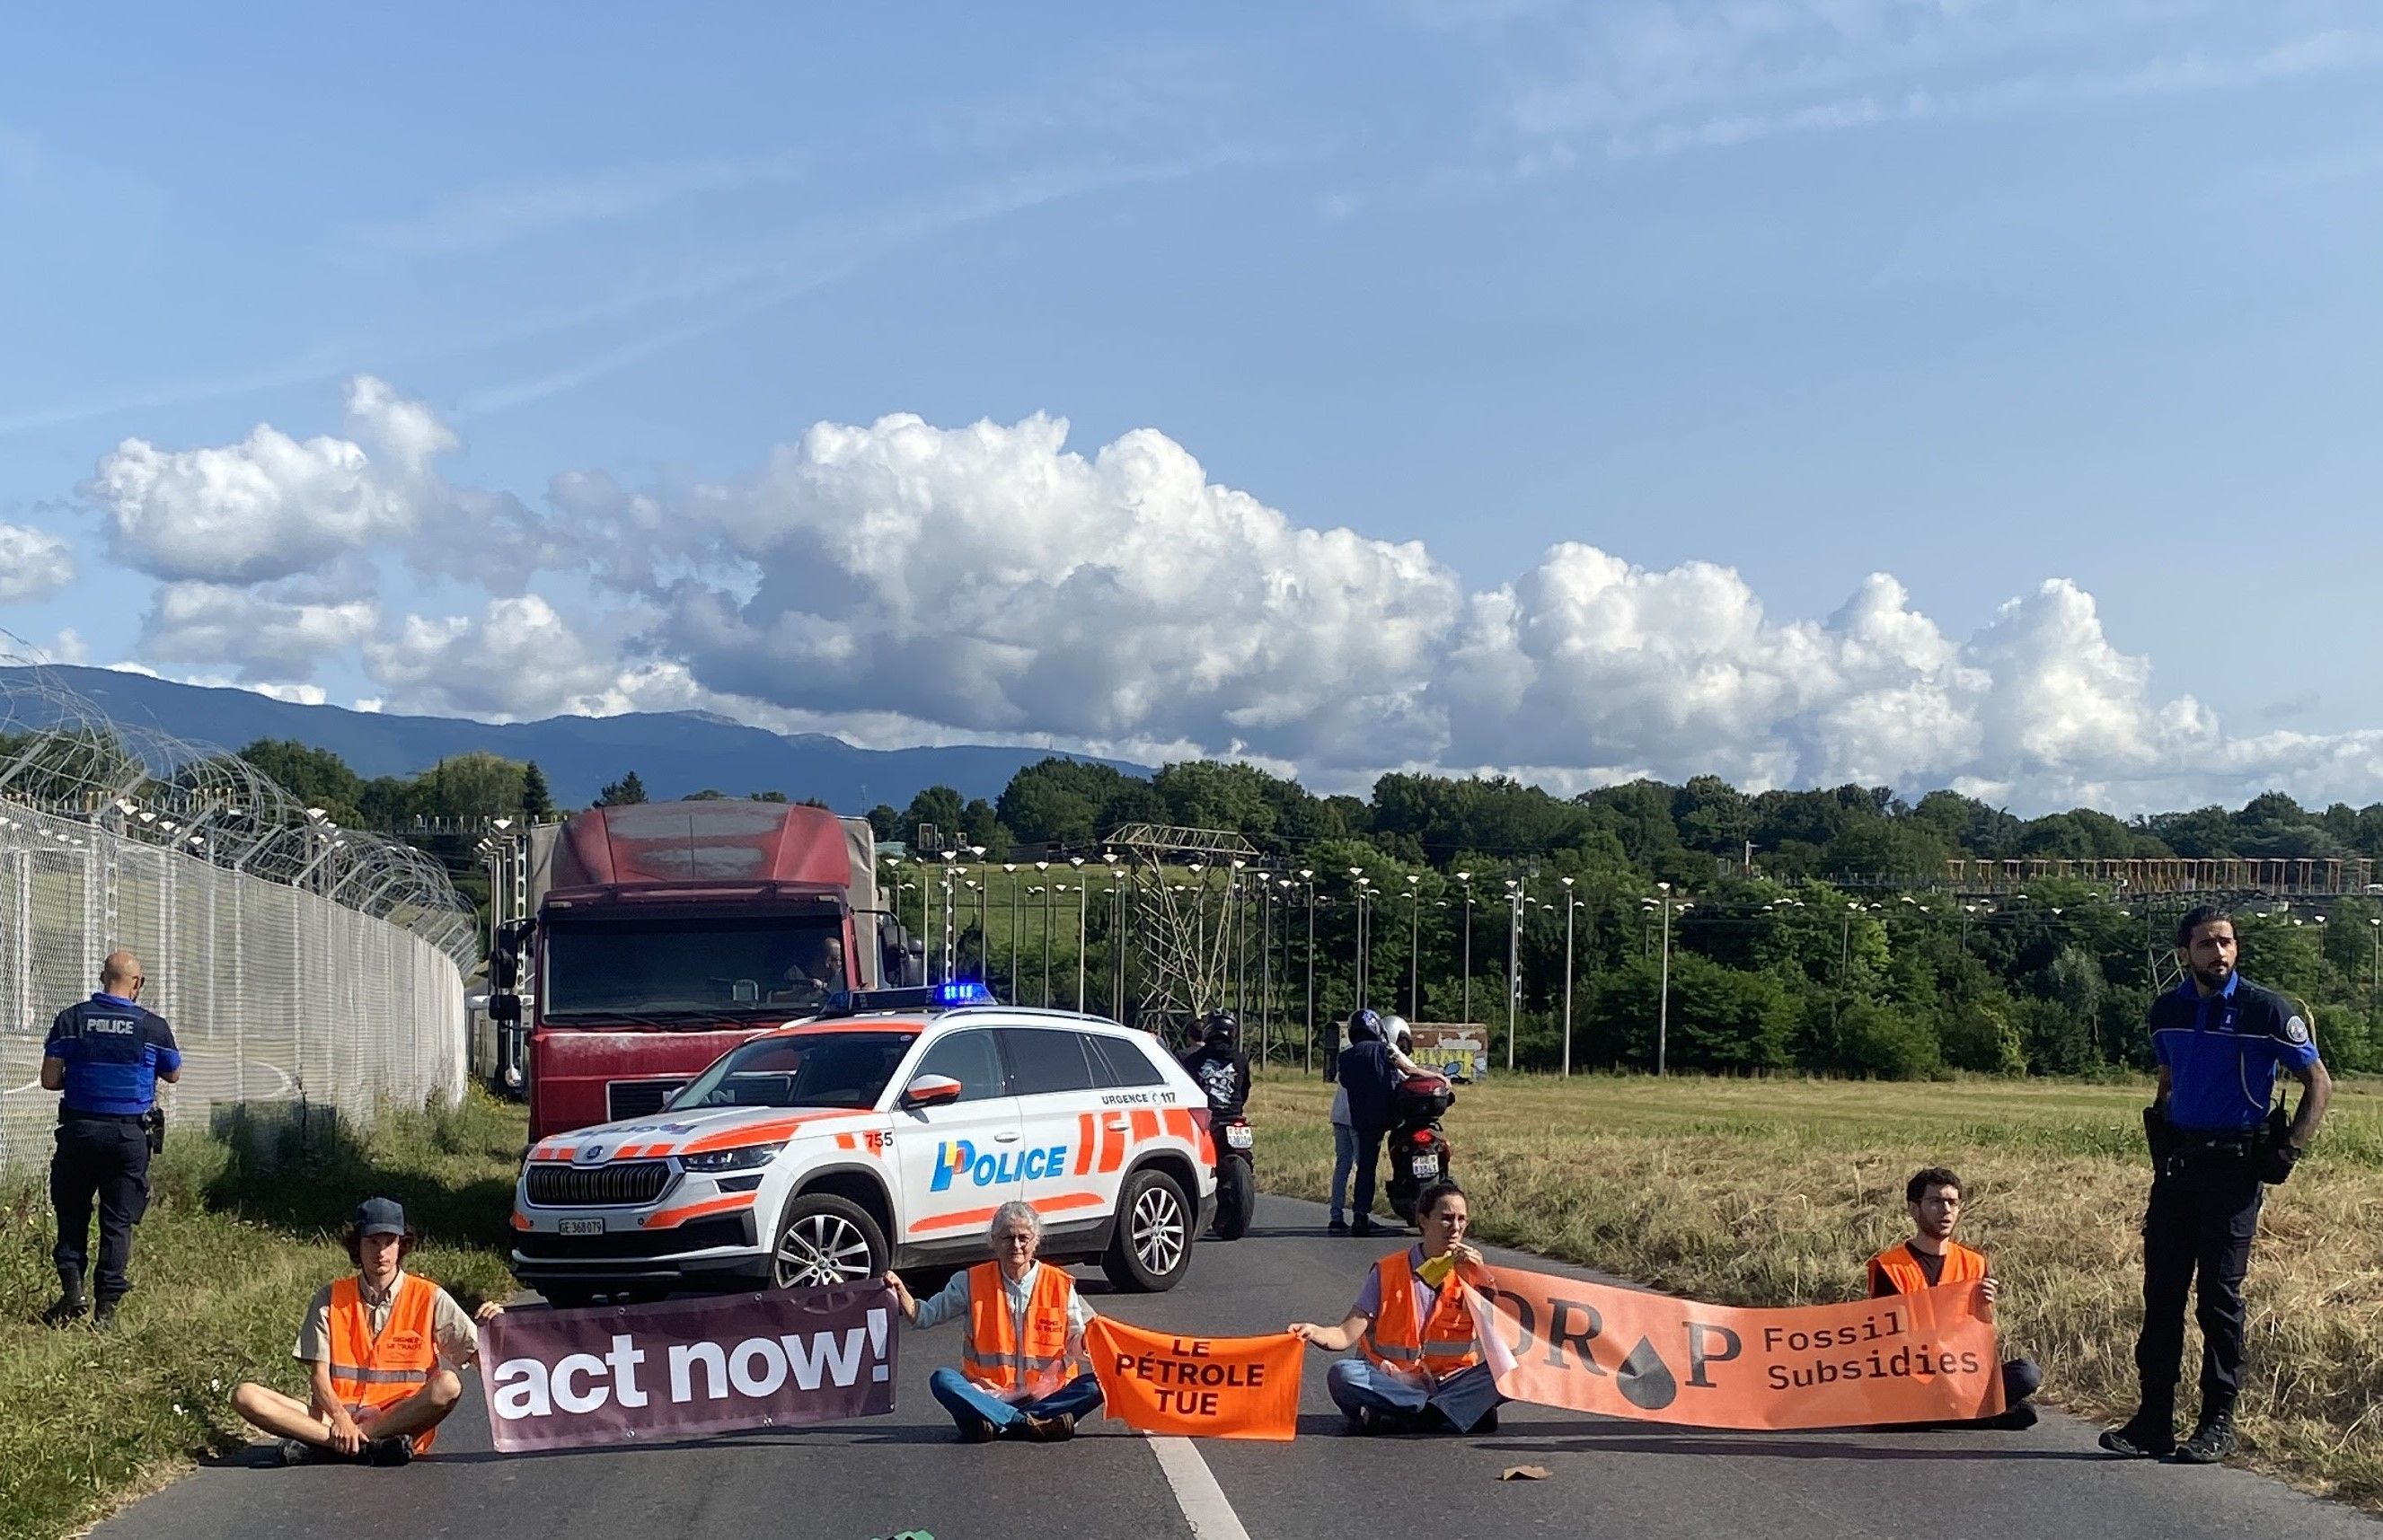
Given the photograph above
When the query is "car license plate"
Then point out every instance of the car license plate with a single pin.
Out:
(1425, 1167)
(580, 1227)
(1236, 1136)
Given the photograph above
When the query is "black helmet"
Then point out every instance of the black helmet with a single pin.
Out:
(1220, 1027)
(1365, 1025)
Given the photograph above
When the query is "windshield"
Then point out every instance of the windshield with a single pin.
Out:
(816, 1069)
(660, 971)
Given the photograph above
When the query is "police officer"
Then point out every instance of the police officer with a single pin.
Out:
(107, 1055)
(2218, 1038)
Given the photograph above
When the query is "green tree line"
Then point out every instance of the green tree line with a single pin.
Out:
(1807, 929)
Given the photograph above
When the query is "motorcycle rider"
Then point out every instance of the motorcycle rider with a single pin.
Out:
(1219, 1066)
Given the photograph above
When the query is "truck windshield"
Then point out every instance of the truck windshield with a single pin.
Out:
(813, 1070)
(659, 971)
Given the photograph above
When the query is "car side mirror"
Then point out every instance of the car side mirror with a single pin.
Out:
(930, 1090)
(505, 1008)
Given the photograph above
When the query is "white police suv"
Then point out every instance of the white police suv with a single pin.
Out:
(882, 1133)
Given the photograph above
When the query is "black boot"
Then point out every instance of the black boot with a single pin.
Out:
(2149, 1433)
(2213, 1435)
(70, 1304)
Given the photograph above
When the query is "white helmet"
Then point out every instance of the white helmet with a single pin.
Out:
(1395, 1032)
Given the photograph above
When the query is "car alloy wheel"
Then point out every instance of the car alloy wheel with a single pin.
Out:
(819, 1249)
(1159, 1228)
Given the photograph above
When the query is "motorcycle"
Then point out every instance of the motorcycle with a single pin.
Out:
(1418, 1148)
(1237, 1181)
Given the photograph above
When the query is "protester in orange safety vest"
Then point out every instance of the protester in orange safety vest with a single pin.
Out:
(384, 1346)
(1420, 1368)
(1022, 1372)
(1933, 1258)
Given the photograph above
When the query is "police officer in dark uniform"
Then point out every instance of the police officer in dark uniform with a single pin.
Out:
(107, 1055)
(2219, 1039)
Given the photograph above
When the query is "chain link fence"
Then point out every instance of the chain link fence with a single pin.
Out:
(296, 962)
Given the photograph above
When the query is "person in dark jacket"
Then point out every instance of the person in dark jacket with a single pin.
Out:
(1369, 1071)
(107, 1056)
(1219, 1066)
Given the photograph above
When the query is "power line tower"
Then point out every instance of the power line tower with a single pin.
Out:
(1186, 922)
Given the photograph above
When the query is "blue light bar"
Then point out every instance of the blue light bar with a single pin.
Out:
(963, 992)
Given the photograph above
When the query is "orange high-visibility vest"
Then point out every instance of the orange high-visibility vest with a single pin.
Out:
(1398, 1339)
(368, 1371)
(994, 1357)
(1961, 1265)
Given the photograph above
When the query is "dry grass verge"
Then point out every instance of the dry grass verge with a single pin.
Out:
(240, 1232)
(1773, 1192)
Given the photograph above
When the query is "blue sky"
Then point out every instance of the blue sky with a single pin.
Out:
(1980, 294)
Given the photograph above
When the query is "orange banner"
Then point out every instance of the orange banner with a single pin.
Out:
(1197, 1386)
(1918, 1358)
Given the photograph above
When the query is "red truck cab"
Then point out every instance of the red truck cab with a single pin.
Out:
(666, 933)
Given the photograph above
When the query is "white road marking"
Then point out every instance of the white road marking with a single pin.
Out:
(1196, 1492)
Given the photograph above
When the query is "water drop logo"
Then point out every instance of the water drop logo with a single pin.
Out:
(1646, 1380)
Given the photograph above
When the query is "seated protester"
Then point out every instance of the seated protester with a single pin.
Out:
(1421, 1369)
(1024, 1374)
(384, 1346)
(1932, 1257)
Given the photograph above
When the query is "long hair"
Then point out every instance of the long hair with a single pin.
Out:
(353, 1239)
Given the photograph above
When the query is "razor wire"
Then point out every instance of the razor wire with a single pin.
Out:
(299, 963)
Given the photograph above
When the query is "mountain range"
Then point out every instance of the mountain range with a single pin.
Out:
(675, 752)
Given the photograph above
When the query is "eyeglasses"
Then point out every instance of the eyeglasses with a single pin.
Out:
(1016, 1237)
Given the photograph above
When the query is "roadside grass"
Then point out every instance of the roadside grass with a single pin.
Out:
(1773, 1192)
(242, 1227)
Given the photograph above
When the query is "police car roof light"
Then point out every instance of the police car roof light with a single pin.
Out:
(918, 997)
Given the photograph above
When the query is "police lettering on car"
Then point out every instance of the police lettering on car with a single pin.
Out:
(2219, 1040)
(106, 1055)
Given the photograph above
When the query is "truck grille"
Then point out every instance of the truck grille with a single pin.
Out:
(636, 1098)
(625, 1184)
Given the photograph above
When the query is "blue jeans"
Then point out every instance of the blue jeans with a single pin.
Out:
(1344, 1166)
(1464, 1397)
(974, 1405)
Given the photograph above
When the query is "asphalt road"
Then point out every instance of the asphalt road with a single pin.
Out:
(906, 1471)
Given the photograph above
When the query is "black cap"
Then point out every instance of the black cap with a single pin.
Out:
(380, 1216)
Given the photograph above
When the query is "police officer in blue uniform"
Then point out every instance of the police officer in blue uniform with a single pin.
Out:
(107, 1055)
(2219, 1040)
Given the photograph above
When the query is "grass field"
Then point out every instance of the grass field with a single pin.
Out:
(1775, 1192)
(240, 1231)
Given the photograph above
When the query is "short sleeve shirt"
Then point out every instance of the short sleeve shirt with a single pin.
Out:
(113, 1051)
(2222, 1052)
(457, 1336)
(1369, 1298)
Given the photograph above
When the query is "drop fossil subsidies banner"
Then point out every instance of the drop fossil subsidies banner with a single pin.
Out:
(1920, 1357)
(561, 1379)
(1197, 1386)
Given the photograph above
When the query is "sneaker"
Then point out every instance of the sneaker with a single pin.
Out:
(1364, 1420)
(1051, 1430)
(2014, 1419)
(2140, 1438)
(68, 1308)
(396, 1449)
(2212, 1440)
(977, 1431)
(1337, 1226)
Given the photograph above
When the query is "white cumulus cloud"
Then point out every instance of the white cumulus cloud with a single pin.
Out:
(516, 659)
(33, 563)
(263, 636)
(905, 582)
(989, 579)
